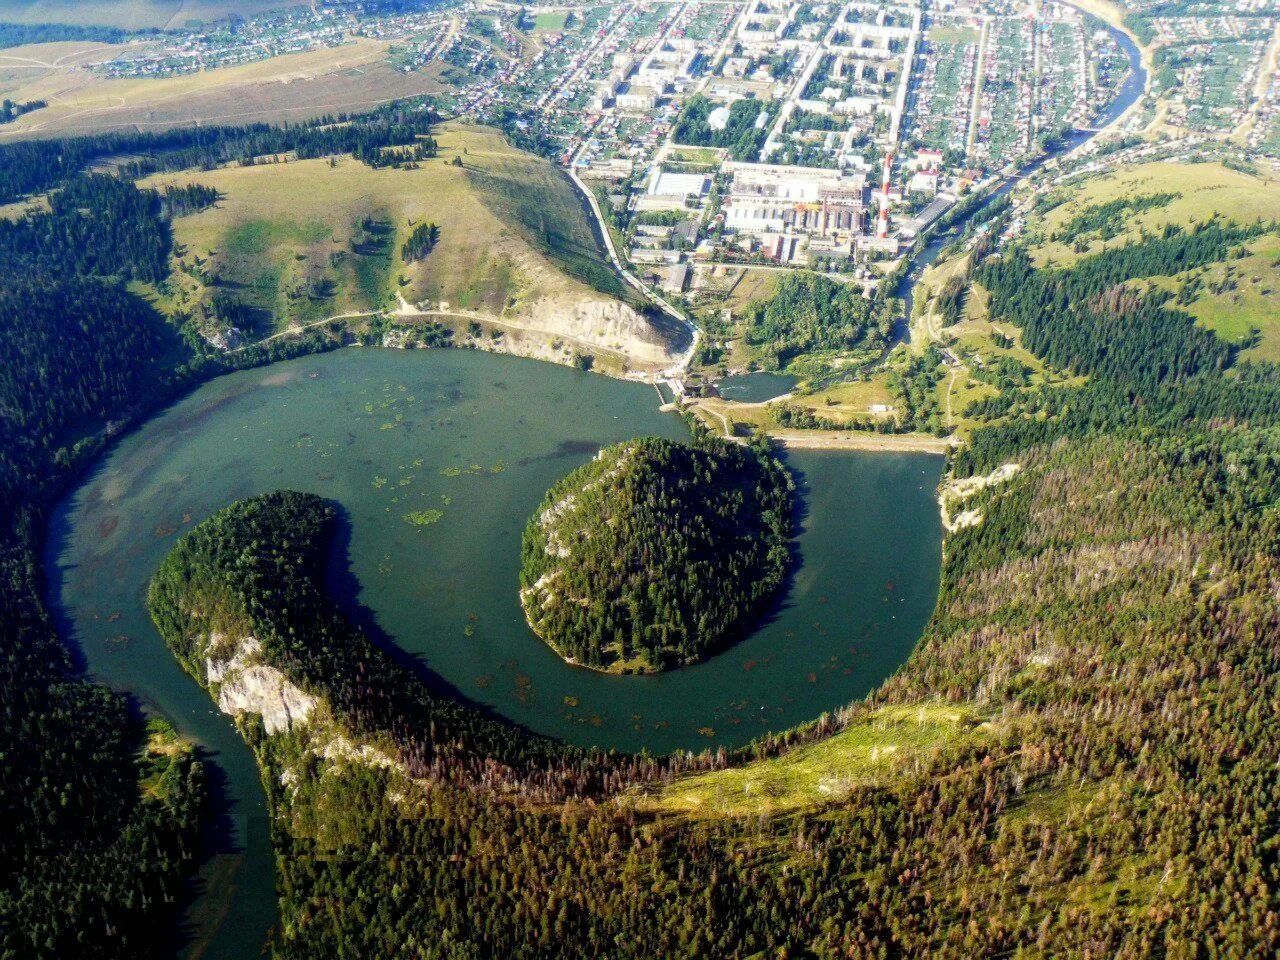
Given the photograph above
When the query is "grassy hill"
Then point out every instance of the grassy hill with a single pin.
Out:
(300, 241)
(352, 77)
(1235, 299)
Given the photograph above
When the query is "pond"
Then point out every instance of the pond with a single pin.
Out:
(755, 387)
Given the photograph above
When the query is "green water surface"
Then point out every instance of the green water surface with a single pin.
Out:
(438, 458)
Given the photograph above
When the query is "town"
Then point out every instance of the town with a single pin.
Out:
(732, 135)
(750, 133)
(725, 148)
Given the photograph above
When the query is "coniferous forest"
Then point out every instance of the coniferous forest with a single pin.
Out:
(655, 554)
(104, 812)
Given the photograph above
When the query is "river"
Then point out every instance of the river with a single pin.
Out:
(1133, 87)
(479, 438)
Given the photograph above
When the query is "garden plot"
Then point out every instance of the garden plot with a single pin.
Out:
(943, 97)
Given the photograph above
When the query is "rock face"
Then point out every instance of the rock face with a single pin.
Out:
(604, 324)
(246, 686)
(954, 494)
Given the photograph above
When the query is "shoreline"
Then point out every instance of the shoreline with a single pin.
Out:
(866, 442)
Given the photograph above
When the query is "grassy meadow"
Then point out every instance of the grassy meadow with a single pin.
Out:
(1201, 190)
(863, 754)
(302, 240)
(551, 21)
(353, 76)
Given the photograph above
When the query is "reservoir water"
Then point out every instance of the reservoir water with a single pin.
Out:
(478, 438)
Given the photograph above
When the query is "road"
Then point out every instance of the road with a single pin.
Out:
(876, 442)
(303, 328)
(682, 363)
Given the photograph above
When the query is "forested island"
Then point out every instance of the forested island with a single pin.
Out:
(656, 554)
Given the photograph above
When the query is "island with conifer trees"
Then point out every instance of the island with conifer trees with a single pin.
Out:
(657, 554)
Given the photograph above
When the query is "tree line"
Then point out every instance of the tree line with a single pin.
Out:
(33, 166)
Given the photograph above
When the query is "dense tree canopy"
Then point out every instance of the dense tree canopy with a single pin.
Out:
(743, 134)
(810, 312)
(656, 553)
(89, 858)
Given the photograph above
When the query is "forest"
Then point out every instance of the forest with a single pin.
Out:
(1086, 320)
(810, 312)
(87, 860)
(33, 166)
(93, 864)
(656, 554)
(21, 34)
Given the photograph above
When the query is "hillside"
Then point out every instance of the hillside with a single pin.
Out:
(1233, 297)
(655, 554)
(354, 77)
(292, 243)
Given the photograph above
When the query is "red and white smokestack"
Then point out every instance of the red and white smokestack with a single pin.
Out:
(882, 229)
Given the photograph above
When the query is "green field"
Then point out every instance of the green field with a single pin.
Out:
(700, 156)
(953, 34)
(300, 241)
(551, 22)
(864, 754)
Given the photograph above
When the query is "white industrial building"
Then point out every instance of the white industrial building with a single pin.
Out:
(777, 198)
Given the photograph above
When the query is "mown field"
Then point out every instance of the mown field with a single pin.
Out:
(300, 241)
(353, 77)
(550, 22)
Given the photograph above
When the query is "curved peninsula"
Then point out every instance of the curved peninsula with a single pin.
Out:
(656, 554)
